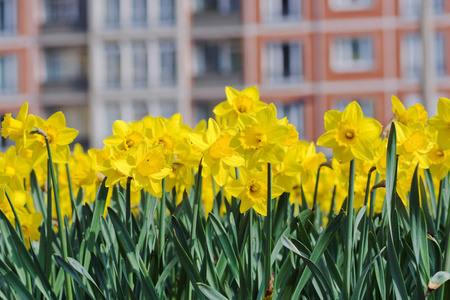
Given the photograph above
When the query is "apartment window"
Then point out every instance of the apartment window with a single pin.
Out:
(285, 62)
(412, 55)
(168, 108)
(166, 12)
(366, 104)
(8, 17)
(62, 11)
(223, 58)
(440, 54)
(295, 114)
(140, 64)
(139, 17)
(112, 14)
(168, 62)
(350, 4)
(8, 74)
(413, 8)
(284, 10)
(112, 111)
(63, 65)
(112, 63)
(352, 54)
(223, 7)
(140, 109)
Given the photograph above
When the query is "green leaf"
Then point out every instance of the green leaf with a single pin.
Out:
(71, 271)
(436, 281)
(226, 246)
(209, 292)
(321, 245)
(23, 257)
(361, 280)
(14, 282)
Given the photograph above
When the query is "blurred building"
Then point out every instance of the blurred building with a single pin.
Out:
(103, 60)
(18, 53)
(63, 62)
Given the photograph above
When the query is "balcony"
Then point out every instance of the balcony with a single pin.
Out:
(217, 13)
(218, 63)
(64, 16)
(66, 85)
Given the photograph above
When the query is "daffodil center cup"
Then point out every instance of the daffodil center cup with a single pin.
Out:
(244, 104)
(253, 138)
(347, 133)
(437, 156)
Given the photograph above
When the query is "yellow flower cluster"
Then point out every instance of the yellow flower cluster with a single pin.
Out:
(234, 150)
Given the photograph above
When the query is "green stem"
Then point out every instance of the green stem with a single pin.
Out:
(365, 232)
(71, 194)
(162, 225)
(197, 200)
(250, 254)
(349, 247)
(268, 265)
(316, 188)
(61, 231)
(128, 206)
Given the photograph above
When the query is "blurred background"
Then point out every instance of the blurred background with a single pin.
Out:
(103, 60)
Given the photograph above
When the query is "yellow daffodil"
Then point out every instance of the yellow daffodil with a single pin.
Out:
(107, 165)
(147, 166)
(259, 137)
(413, 143)
(59, 137)
(251, 189)
(166, 132)
(349, 133)
(217, 153)
(237, 103)
(439, 159)
(441, 122)
(16, 129)
(126, 135)
(414, 114)
(310, 160)
(284, 173)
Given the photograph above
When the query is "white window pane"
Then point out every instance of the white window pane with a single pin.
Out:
(112, 63)
(168, 63)
(8, 74)
(167, 12)
(112, 13)
(284, 10)
(285, 62)
(139, 15)
(140, 64)
(8, 17)
(440, 54)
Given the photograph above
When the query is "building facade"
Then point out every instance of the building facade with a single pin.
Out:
(99, 61)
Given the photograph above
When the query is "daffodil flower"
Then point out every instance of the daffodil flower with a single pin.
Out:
(413, 143)
(259, 138)
(237, 103)
(218, 156)
(251, 188)
(414, 114)
(441, 122)
(349, 133)
(59, 137)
